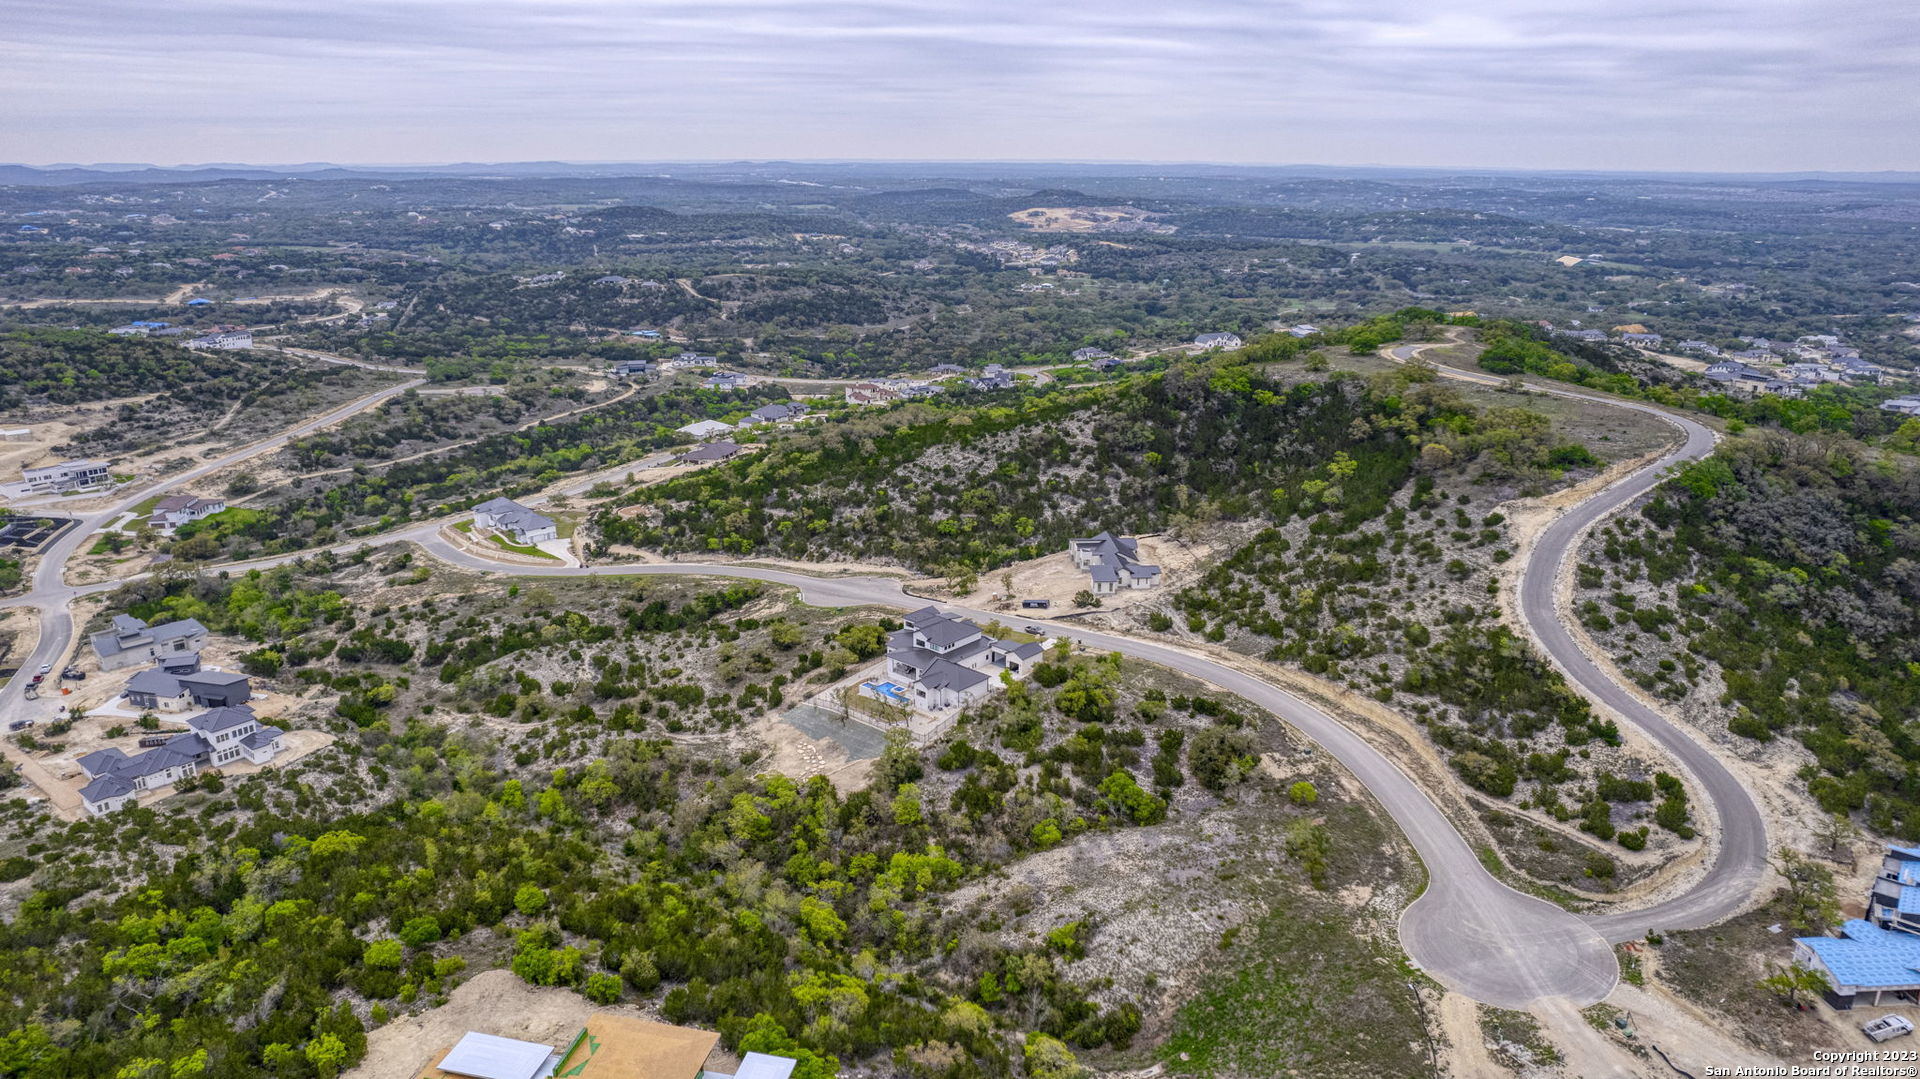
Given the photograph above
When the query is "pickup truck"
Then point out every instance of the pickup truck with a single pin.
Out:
(1887, 1026)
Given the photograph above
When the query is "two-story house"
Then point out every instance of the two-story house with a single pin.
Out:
(1113, 563)
(131, 641)
(219, 737)
(945, 662)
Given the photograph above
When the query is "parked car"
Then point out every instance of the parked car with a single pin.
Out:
(74, 674)
(1035, 630)
(38, 678)
(46, 668)
(1887, 1026)
(20, 724)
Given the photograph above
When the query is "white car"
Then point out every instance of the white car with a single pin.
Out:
(45, 667)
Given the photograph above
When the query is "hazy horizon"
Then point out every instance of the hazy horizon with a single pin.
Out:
(1777, 85)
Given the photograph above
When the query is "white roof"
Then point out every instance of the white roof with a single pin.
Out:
(488, 1056)
(765, 1066)
(703, 428)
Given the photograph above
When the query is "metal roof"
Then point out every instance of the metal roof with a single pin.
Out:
(1868, 957)
(489, 1056)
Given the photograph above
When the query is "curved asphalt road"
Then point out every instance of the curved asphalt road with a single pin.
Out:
(1740, 858)
(1467, 929)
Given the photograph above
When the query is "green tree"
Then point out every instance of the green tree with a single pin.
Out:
(529, 900)
(328, 1054)
(1302, 794)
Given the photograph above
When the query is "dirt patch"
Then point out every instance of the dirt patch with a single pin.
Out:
(496, 1002)
(1056, 579)
(1089, 219)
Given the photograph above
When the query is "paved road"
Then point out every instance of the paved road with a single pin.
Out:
(1467, 929)
(1740, 857)
(51, 596)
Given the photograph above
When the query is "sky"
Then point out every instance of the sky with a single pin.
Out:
(1691, 85)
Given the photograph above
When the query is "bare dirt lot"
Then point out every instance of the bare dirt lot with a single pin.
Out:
(1055, 578)
(1089, 219)
(496, 1002)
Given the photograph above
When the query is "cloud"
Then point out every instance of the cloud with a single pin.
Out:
(1692, 84)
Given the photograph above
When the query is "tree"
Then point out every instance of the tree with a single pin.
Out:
(1049, 1058)
(529, 899)
(1084, 598)
(1302, 794)
(1809, 894)
(328, 1054)
(1792, 980)
(1838, 832)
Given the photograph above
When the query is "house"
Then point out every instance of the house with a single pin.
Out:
(1113, 562)
(175, 510)
(725, 380)
(216, 689)
(507, 517)
(992, 377)
(219, 737)
(692, 359)
(1909, 406)
(630, 368)
(705, 428)
(1305, 329)
(1641, 340)
(784, 412)
(872, 393)
(66, 476)
(943, 662)
(1582, 335)
(132, 641)
(1736, 373)
(1812, 372)
(1879, 955)
(610, 279)
(948, 369)
(229, 339)
(1106, 363)
(1702, 347)
(1089, 355)
(1212, 341)
(650, 335)
(157, 691)
(16, 434)
(712, 451)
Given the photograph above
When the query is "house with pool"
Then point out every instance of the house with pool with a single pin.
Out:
(941, 662)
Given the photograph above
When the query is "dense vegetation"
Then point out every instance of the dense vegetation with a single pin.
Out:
(601, 855)
(1778, 584)
(969, 489)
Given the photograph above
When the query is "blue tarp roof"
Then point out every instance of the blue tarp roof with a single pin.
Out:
(1868, 956)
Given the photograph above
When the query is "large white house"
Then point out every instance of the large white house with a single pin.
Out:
(1113, 562)
(940, 662)
(176, 510)
(66, 476)
(131, 641)
(1211, 341)
(218, 737)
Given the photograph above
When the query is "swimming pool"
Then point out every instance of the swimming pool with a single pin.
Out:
(889, 690)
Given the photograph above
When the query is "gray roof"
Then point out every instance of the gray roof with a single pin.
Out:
(1104, 573)
(949, 631)
(262, 738)
(189, 745)
(512, 515)
(154, 761)
(923, 616)
(214, 678)
(779, 411)
(169, 631)
(946, 674)
(712, 451)
(104, 788)
(220, 719)
(1025, 650)
(155, 681)
(101, 761)
(126, 624)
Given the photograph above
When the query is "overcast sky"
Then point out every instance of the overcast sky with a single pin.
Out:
(1627, 84)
